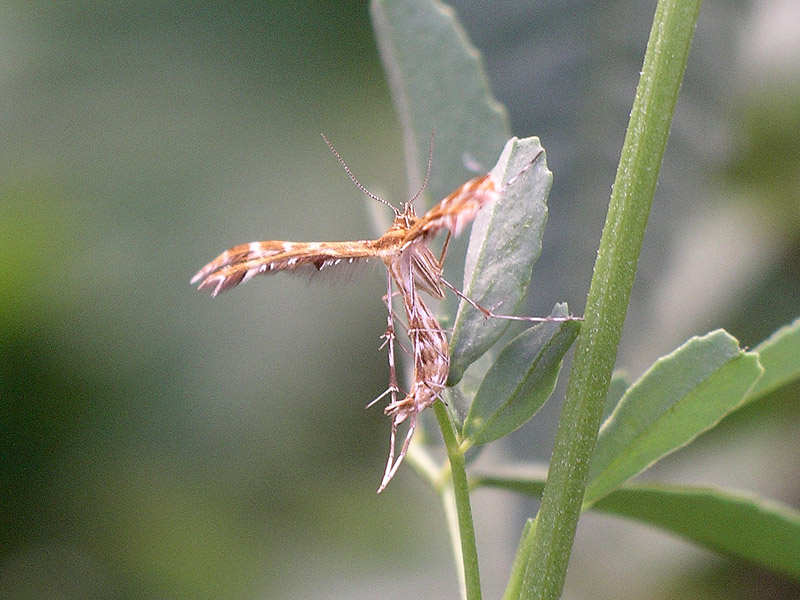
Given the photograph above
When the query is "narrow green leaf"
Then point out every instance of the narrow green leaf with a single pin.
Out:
(678, 398)
(780, 357)
(506, 240)
(520, 559)
(747, 527)
(731, 523)
(524, 478)
(616, 389)
(521, 379)
(438, 81)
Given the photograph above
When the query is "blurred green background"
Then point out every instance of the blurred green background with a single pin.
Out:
(160, 444)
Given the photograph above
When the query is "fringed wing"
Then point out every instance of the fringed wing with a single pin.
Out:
(457, 210)
(240, 263)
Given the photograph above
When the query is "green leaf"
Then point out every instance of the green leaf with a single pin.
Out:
(438, 81)
(616, 389)
(521, 478)
(506, 240)
(747, 527)
(678, 398)
(520, 380)
(728, 522)
(780, 357)
(518, 568)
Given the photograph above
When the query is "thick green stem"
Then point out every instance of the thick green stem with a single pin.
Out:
(607, 303)
(466, 530)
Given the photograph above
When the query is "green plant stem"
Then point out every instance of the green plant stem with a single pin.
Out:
(466, 530)
(629, 208)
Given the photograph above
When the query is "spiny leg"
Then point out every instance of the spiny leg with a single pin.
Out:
(391, 464)
(444, 250)
(488, 313)
(389, 338)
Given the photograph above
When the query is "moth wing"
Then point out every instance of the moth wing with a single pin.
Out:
(240, 263)
(457, 210)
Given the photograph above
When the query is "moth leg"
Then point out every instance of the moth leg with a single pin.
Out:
(444, 249)
(387, 474)
(389, 338)
(391, 464)
(488, 313)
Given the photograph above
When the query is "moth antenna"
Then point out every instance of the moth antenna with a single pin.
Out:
(522, 172)
(357, 182)
(428, 171)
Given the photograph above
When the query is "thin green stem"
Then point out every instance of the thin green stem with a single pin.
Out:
(460, 491)
(607, 303)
